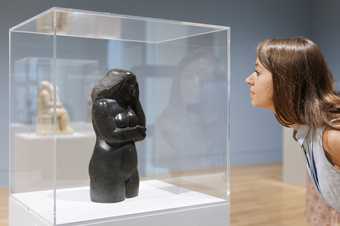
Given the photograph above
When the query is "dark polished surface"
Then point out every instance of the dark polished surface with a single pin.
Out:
(118, 120)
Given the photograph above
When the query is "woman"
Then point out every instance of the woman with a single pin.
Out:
(292, 79)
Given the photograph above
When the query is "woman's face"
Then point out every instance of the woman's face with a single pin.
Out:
(261, 87)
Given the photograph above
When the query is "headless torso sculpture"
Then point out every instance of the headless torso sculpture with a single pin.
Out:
(118, 121)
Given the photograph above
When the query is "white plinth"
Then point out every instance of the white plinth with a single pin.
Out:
(158, 204)
(37, 163)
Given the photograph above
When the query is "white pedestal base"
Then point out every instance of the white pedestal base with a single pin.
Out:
(158, 204)
(37, 162)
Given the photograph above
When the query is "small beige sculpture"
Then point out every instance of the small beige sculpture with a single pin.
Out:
(46, 111)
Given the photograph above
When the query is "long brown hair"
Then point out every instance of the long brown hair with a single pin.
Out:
(303, 86)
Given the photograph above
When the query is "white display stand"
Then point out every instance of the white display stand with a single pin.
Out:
(157, 204)
(34, 158)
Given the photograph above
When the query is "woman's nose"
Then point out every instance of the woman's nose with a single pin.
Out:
(249, 79)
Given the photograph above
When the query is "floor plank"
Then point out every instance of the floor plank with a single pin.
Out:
(260, 198)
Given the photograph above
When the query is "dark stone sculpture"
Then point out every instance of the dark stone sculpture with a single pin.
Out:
(118, 121)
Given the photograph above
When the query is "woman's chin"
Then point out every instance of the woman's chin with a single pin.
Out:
(257, 105)
(253, 103)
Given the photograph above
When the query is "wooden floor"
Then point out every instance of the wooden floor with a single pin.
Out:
(258, 198)
(3, 207)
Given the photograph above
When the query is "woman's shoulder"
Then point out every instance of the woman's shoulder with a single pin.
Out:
(331, 139)
(331, 144)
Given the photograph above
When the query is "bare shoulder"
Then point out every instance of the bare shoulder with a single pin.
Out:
(331, 139)
(331, 142)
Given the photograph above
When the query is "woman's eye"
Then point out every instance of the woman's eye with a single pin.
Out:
(257, 73)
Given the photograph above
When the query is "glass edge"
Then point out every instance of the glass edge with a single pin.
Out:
(228, 173)
(120, 39)
(94, 13)
(189, 36)
(68, 10)
(82, 36)
(25, 22)
(9, 115)
(54, 135)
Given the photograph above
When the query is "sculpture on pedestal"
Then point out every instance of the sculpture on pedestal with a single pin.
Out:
(49, 110)
(118, 121)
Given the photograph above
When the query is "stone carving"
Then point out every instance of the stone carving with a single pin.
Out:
(50, 108)
(118, 121)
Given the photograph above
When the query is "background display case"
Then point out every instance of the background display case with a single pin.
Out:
(184, 79)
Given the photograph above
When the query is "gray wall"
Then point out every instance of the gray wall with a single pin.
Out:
(326, 32)
(256, 136)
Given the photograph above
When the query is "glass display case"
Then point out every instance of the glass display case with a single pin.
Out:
(183, 73)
